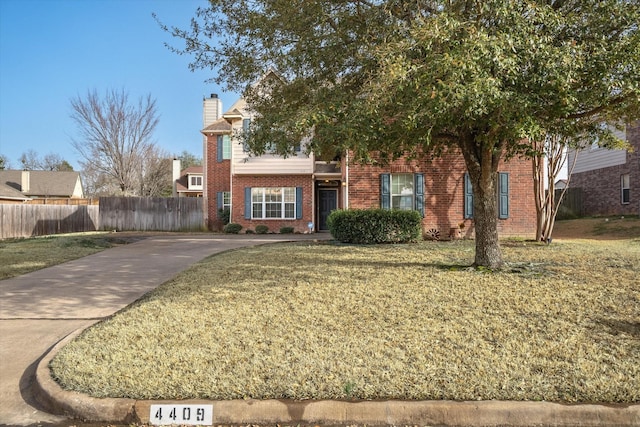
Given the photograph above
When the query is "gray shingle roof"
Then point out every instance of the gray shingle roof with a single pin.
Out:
(42, 183)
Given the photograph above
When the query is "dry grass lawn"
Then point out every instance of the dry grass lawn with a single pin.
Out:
(20, 256)
(330, 321)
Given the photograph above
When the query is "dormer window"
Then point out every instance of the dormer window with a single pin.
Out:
(195, 182)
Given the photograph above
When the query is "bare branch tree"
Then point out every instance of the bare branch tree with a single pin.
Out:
(156, 173)
(31, 160)
(115, 135)
(4, 162)
(547, 166)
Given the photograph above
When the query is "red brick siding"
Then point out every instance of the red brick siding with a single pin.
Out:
(240, 182)
(218, 179)
(444, 193)
(601, 190)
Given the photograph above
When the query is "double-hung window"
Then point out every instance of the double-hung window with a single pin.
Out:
(223, 201)
(625, 189)
(273, 203)
(402, 191)
(195, 182)
(224, 147)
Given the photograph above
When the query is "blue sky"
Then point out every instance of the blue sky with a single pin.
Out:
(54, 50)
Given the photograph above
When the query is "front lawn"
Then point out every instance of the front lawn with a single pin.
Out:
(21, 256)
(329, 321)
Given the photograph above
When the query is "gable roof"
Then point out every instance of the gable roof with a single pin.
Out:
(10, 193)
(182, 183)
(43, 183)
(218, 127)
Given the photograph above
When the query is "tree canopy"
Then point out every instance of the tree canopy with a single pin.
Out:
(411, 77)
(116, 145)
(31, 160)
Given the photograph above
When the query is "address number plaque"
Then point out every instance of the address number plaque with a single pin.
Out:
(167, 414)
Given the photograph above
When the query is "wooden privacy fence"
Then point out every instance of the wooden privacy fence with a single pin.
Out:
(152, 213)
(571, 206)
(26, 220)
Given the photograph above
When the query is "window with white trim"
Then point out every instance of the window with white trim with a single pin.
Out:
(273, 203)
(402, 191)
(625, 189)
(226, 147)
(195, 182)
(226, 199)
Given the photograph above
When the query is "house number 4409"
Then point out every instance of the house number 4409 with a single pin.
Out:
(181, 414)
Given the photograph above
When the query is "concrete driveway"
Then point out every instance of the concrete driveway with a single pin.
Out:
(40, 308)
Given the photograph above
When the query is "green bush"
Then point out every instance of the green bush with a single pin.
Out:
(232, 228)
(224, 215)
(369, 226)
(262, 229)
(286, 230)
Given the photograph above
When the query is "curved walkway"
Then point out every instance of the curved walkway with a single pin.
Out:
(38, 310)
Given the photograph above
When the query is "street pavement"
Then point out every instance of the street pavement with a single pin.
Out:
(40, 308)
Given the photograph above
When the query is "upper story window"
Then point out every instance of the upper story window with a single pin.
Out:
(195, 182)
(224, 147)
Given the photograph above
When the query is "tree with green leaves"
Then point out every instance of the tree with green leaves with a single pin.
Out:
(383, 79)
(188, 159)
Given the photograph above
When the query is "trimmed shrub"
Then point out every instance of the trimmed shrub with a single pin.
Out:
(232, 228)
(224, 215)
(262, 229)
(286, 230)
(370, 226)
(249, 231)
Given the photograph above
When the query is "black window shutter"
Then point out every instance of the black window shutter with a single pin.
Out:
(419, 192)
(468, 197)
(385, 191)
(247, 202)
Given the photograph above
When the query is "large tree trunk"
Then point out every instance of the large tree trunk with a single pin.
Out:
(482, 161)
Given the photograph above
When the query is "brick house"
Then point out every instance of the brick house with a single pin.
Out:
(300, 191)
(609, 180)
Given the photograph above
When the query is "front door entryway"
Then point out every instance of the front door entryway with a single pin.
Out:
(327, 202)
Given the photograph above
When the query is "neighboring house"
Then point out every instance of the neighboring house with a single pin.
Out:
(189, 182)
(609, 180)
(300, 191)
(560, 184)
(11, 195)
(43, 184)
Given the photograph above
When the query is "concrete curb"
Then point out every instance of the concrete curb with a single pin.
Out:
(375, 413)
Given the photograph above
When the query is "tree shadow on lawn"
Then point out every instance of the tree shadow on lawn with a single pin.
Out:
(616, 327)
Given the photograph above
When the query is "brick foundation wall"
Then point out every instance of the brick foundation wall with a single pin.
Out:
(444, 193)
(601, 189)
(240, 182)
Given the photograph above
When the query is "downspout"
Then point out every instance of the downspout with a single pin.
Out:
(346, 182)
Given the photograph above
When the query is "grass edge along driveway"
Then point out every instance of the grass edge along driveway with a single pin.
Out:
(330, 321)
